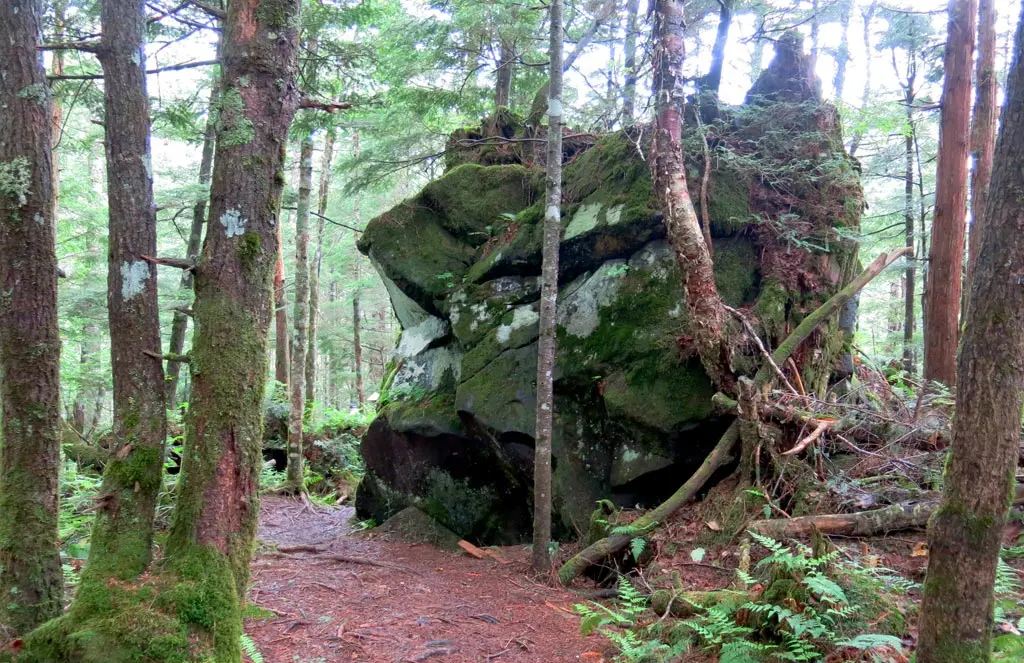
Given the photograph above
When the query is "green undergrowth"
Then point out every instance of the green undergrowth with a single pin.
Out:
(795, 605)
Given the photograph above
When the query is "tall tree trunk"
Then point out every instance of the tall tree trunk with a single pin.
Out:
(357, 318)
(865, 96)
(983, 133)
(541, 558)
(122, 536)
(503, 74)
(179, 326)
(301, 316)
(713, 80)
(629, 84)
(97, 408)
(214, 524)
(669, 176)
(910, 273)
(843, 51)
(30, 574)
(282, 353)
(314, 271)
(967, 530)
(947, 251)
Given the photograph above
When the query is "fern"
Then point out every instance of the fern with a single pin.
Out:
(250, 649)
(637, 547)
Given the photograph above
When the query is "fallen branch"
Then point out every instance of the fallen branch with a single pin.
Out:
(720, 456)
(822, 426)
(688, 604)
(170, 356)
(906, 515)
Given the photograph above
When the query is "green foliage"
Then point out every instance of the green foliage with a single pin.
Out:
(250, 649)
(15, 179)
(636, 641)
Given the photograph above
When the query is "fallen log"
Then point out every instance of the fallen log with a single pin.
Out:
(906, 515)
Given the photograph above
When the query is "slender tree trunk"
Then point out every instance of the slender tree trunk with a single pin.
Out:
(314, 272)
(967, 530)
(30, 574)
(214, 524)
(88, 353)
(756, 57)
(669, 176)
(713, 81)
(357, 318)
(865, 96)
(948, 226)
(122, 537)
(910, 274)
(843, 51)
(541, 559)
(629, 84)
(301, 316)
(983, 133)
(282, 353)
(97, 408)
(815, 29)
(503, 75)
(179, 326)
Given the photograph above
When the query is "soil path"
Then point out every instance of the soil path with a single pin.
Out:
(420, 604)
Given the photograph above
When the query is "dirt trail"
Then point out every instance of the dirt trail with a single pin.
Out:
(423, 604)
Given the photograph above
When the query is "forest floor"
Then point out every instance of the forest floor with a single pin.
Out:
(398, 601)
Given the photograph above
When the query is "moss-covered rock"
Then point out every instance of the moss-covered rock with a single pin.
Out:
(462, 260)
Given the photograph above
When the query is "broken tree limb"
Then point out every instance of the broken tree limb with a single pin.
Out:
(823, 312)
(720, 456)
(170, 356)
(906, 515)
(822, 426)
(179, 263)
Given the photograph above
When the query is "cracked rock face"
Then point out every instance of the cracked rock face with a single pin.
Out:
(633, 414)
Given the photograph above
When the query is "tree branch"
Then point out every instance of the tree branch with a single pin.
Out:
(170, 356)
(98, 77)
(212, 11)
(179, 263)
(327, 107)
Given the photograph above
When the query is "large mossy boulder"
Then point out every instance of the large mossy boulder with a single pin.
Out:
(633, 416)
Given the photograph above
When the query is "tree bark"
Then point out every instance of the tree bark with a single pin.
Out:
(301, 316)
(966, 532)
(218, 502)
(713, 80)
(314, 271)
(30, 573)
(948, 227)
(282, 353)
(669, 176)
(503, 74)
(629, 84)
(910, 272)
(983, 134)
(122, 536)
(541, 559)
(179, 326)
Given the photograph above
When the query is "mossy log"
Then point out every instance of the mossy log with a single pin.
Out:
(906, 515)
(688, 604)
